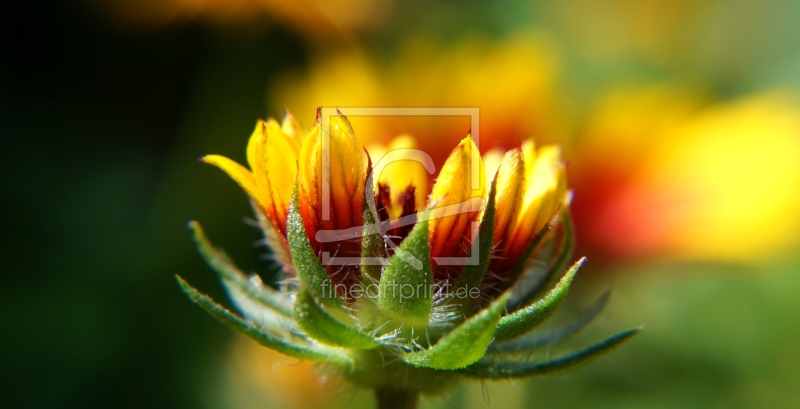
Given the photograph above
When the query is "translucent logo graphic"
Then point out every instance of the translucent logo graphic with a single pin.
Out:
(472, 205)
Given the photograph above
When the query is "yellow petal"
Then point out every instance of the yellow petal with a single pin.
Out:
(491, 161)
(259, 159)
(529, 154)
(281, 166)
(272, 156)
(344, 177)
(511, 186)
(238, 173)
(546, 187)
(251, 143)
(291, 127)
(451, 197)
(346, 153)
(311, 164)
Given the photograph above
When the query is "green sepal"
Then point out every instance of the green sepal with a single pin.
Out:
(371, 244)
(233, 278)
(322, 326)
(309, 270)
(527, 345)
(295, 349)
(465, 344)
(472, 275)
(489, 369)
(406, 287)
(526, 319)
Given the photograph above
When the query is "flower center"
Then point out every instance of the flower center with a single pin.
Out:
(397, 227)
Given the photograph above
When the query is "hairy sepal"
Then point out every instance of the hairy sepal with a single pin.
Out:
(309, 269)
(491, 369)
(522, 321)
(406, 285)
(465, 344)
(294, 348)
(324, 327)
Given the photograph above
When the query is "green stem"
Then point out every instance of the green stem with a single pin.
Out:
(396, 399)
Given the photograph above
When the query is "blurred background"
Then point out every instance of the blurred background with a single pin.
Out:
(680, 121)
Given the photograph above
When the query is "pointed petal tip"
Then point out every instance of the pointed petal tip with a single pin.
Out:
(467, 139)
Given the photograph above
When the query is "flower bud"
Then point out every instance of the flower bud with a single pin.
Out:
(332, 176)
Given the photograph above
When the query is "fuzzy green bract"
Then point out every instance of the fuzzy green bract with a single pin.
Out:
(404, 336)
(309, 269)
(372, 242)
(526, 319)
(472, 275)
(406, 286)
(323, 326)
(465, 344)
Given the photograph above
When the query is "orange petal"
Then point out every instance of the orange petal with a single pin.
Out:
(344, 177)
(511, 186)
(455, 212)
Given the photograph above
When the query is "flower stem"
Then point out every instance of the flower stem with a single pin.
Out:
(396, 399)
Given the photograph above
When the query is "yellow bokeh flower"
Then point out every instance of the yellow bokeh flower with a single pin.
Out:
(513, 81)
(661, 172)
(614, 149)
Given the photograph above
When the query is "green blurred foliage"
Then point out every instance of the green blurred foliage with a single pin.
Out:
(715, 337)
(101, 130)
(101, 126)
